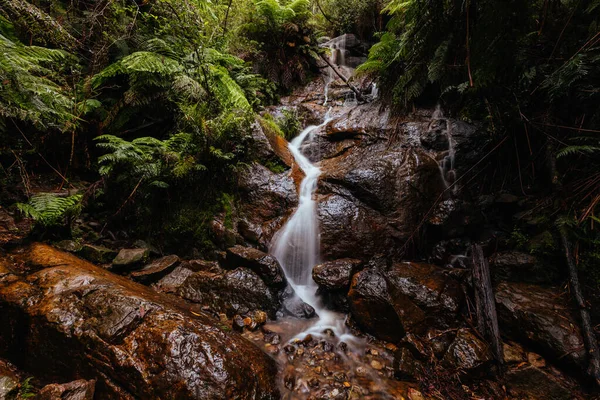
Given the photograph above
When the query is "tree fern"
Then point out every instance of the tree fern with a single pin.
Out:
(31, 89)
(49, 209)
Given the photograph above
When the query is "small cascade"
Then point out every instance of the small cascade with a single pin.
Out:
(447, 169)
(337, 57)
(374, 95)
(350, 100)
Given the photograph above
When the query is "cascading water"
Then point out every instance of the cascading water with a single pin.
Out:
(447, 164)
(296, 245)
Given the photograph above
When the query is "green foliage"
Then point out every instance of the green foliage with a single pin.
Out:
(361, 17)
(32, 89)
(48, 209)
(26, 389)
(286, 47)
(289, 123)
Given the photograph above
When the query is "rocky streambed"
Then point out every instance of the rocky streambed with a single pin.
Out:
(396, 226)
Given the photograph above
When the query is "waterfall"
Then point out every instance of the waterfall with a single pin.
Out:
(296, 246)
(337, 56)
(447, 164)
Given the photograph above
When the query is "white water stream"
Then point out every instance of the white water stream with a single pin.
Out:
(296, 246)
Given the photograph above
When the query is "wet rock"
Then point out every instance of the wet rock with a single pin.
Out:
(9, 380)
(406, 366)
(130, 258)
(70, 246)
(293, 305)
(335, 275)
(92, 324)
(97, 254)
(76, 390)
(156, 270)
(240, 291)
(541, 317)
(266, 200)
(436, 137)
(265, 265)
(513, 353)
(516, 267)
(173, 281)
(221, 235)
(202, 265)
(371, 307)
(238, 323)
(376, 195)
(467, 352)
(426, 286)
(532, 383)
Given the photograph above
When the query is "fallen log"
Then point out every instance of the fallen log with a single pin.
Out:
(485, 303)
(359, 95)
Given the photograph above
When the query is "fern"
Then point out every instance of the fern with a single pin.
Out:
(582, 149)
(48, 209)
(31, 91)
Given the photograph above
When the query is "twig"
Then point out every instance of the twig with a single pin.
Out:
(355, 90)
(41, 156)
(589, 337)
(469, 47)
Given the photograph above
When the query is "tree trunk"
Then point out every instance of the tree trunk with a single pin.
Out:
(589, 337)
(485, 303)
(338, 73)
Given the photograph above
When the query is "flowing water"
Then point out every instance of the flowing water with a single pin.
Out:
(447, 169)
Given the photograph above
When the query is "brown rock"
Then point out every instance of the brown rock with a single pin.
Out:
(156, 270)
(135, 342)
(265, 265)
(335, 275)
(467, 352)
(543, 318)
(76, 390)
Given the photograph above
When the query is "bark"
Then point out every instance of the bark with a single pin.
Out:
(589, 337)
(351, 86)
(485, 302)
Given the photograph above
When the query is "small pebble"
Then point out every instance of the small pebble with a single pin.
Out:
(376, 365)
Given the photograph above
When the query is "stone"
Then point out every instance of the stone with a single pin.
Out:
(129, 258)
(542, 317)
(136, 343)
(516, 266)
(292, 305)
(68, 245)
(97, 254)
(532, 383)
(375, 195)
(202, 265)
(9, 380)
(76, 390)
(370, 306)
(240, 291)
(266, 199)
(335, 275)
(427, 287)
(174, 280)
(156, 270)
(467, 352)
(406, 366)
(265, 265)
(513, 353)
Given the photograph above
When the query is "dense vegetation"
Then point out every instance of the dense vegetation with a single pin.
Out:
(152, 100)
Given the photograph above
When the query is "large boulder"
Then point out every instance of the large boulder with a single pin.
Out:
(239, 291)
(371, 306)
(76, 390)
(375, 194)
(78, 321)
(405, 297)
(543, 318)
(335, 275)
(265, 265)
(428, 287)
(267, 199)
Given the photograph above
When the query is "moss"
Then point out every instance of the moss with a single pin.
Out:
(227, 205)
(275, 166)
(543, 245)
